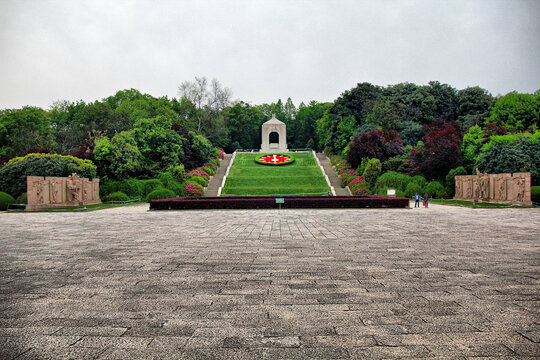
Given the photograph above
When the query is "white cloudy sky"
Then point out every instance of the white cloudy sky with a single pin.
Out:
(262, 50)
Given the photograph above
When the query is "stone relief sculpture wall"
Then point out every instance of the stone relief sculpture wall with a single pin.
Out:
(503, 188)
(50, 192)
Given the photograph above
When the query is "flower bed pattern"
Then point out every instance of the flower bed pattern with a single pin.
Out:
(275, 159)
(269, 202)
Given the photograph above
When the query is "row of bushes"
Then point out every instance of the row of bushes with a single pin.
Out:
(173, 182)
(366, 179)
(269, 202)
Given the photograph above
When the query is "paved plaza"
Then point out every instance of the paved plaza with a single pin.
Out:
(125, 283)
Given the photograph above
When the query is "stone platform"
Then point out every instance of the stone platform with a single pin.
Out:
(125, 283)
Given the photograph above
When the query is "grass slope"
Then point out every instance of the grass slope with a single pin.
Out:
(249, 178)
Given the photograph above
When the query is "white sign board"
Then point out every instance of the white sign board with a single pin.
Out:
(391, 192)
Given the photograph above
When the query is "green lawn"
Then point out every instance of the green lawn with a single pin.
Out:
(249, 178)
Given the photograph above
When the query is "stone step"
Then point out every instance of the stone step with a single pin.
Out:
(215, 181)
(332, 175)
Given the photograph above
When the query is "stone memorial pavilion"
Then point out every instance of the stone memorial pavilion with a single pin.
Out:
(274, 136)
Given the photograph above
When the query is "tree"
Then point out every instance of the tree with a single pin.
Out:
(376, 144)
(386, 115)
(470, 148)
(411, 132)
(516, 111)
(441, 150)
(307, 117)
(243, 122)
(372, 172)
(474, 106)
(357, 101)
(160, 146)
(22, 129)
(519, 155)
(208, 98)
(119, 158)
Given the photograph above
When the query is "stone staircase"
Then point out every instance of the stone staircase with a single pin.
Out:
(215, 182)
(332, 176)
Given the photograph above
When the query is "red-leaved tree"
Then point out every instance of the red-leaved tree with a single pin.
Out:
(441, 151)
(376, 144)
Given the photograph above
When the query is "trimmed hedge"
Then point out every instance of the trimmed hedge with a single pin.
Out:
(5, 200)
(13, 174)
(117, 196)
(269, 202)
(160, 194)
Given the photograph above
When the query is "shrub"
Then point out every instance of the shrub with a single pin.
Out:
(198, 172)
(213, 163)
(169, 182)
(412, 189)
(178, 172)
(397, 163)
(5, 200)
(160, 194)
(221, 154)
(151, 185)
(176, 188)
(13, 174)
(360, 169)
(535, 194)
(420, 180)
(22, 199)
(197, 180)
(372, 171)
(117, 196)
(208, 170)
(346, 176)
(451, 179)
(133, 188)
(435, 189)
(194, 190)
(393, 180)
(358, 186)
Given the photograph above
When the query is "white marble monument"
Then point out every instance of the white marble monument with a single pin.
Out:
(274, 136)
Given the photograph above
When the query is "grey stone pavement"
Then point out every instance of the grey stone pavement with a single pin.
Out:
(125, 283)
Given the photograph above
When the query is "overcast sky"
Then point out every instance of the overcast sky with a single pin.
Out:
(262, 50)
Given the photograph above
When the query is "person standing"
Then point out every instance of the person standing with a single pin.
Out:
(426, 199)
(417, 200)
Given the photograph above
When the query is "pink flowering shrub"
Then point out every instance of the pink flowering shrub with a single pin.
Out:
(221, 154)
(194, 190)
(199, 173)
(358, 186)
(346, 175)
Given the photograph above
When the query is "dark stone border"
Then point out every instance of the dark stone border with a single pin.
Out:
(269, 202)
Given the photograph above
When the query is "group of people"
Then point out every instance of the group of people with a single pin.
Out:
(417, 199)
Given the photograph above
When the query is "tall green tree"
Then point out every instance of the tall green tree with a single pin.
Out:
(516, 111)
(243, 122)
(23, 129)
(160, 146)
(474, 106)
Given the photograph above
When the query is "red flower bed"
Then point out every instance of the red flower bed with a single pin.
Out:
(269, 202)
